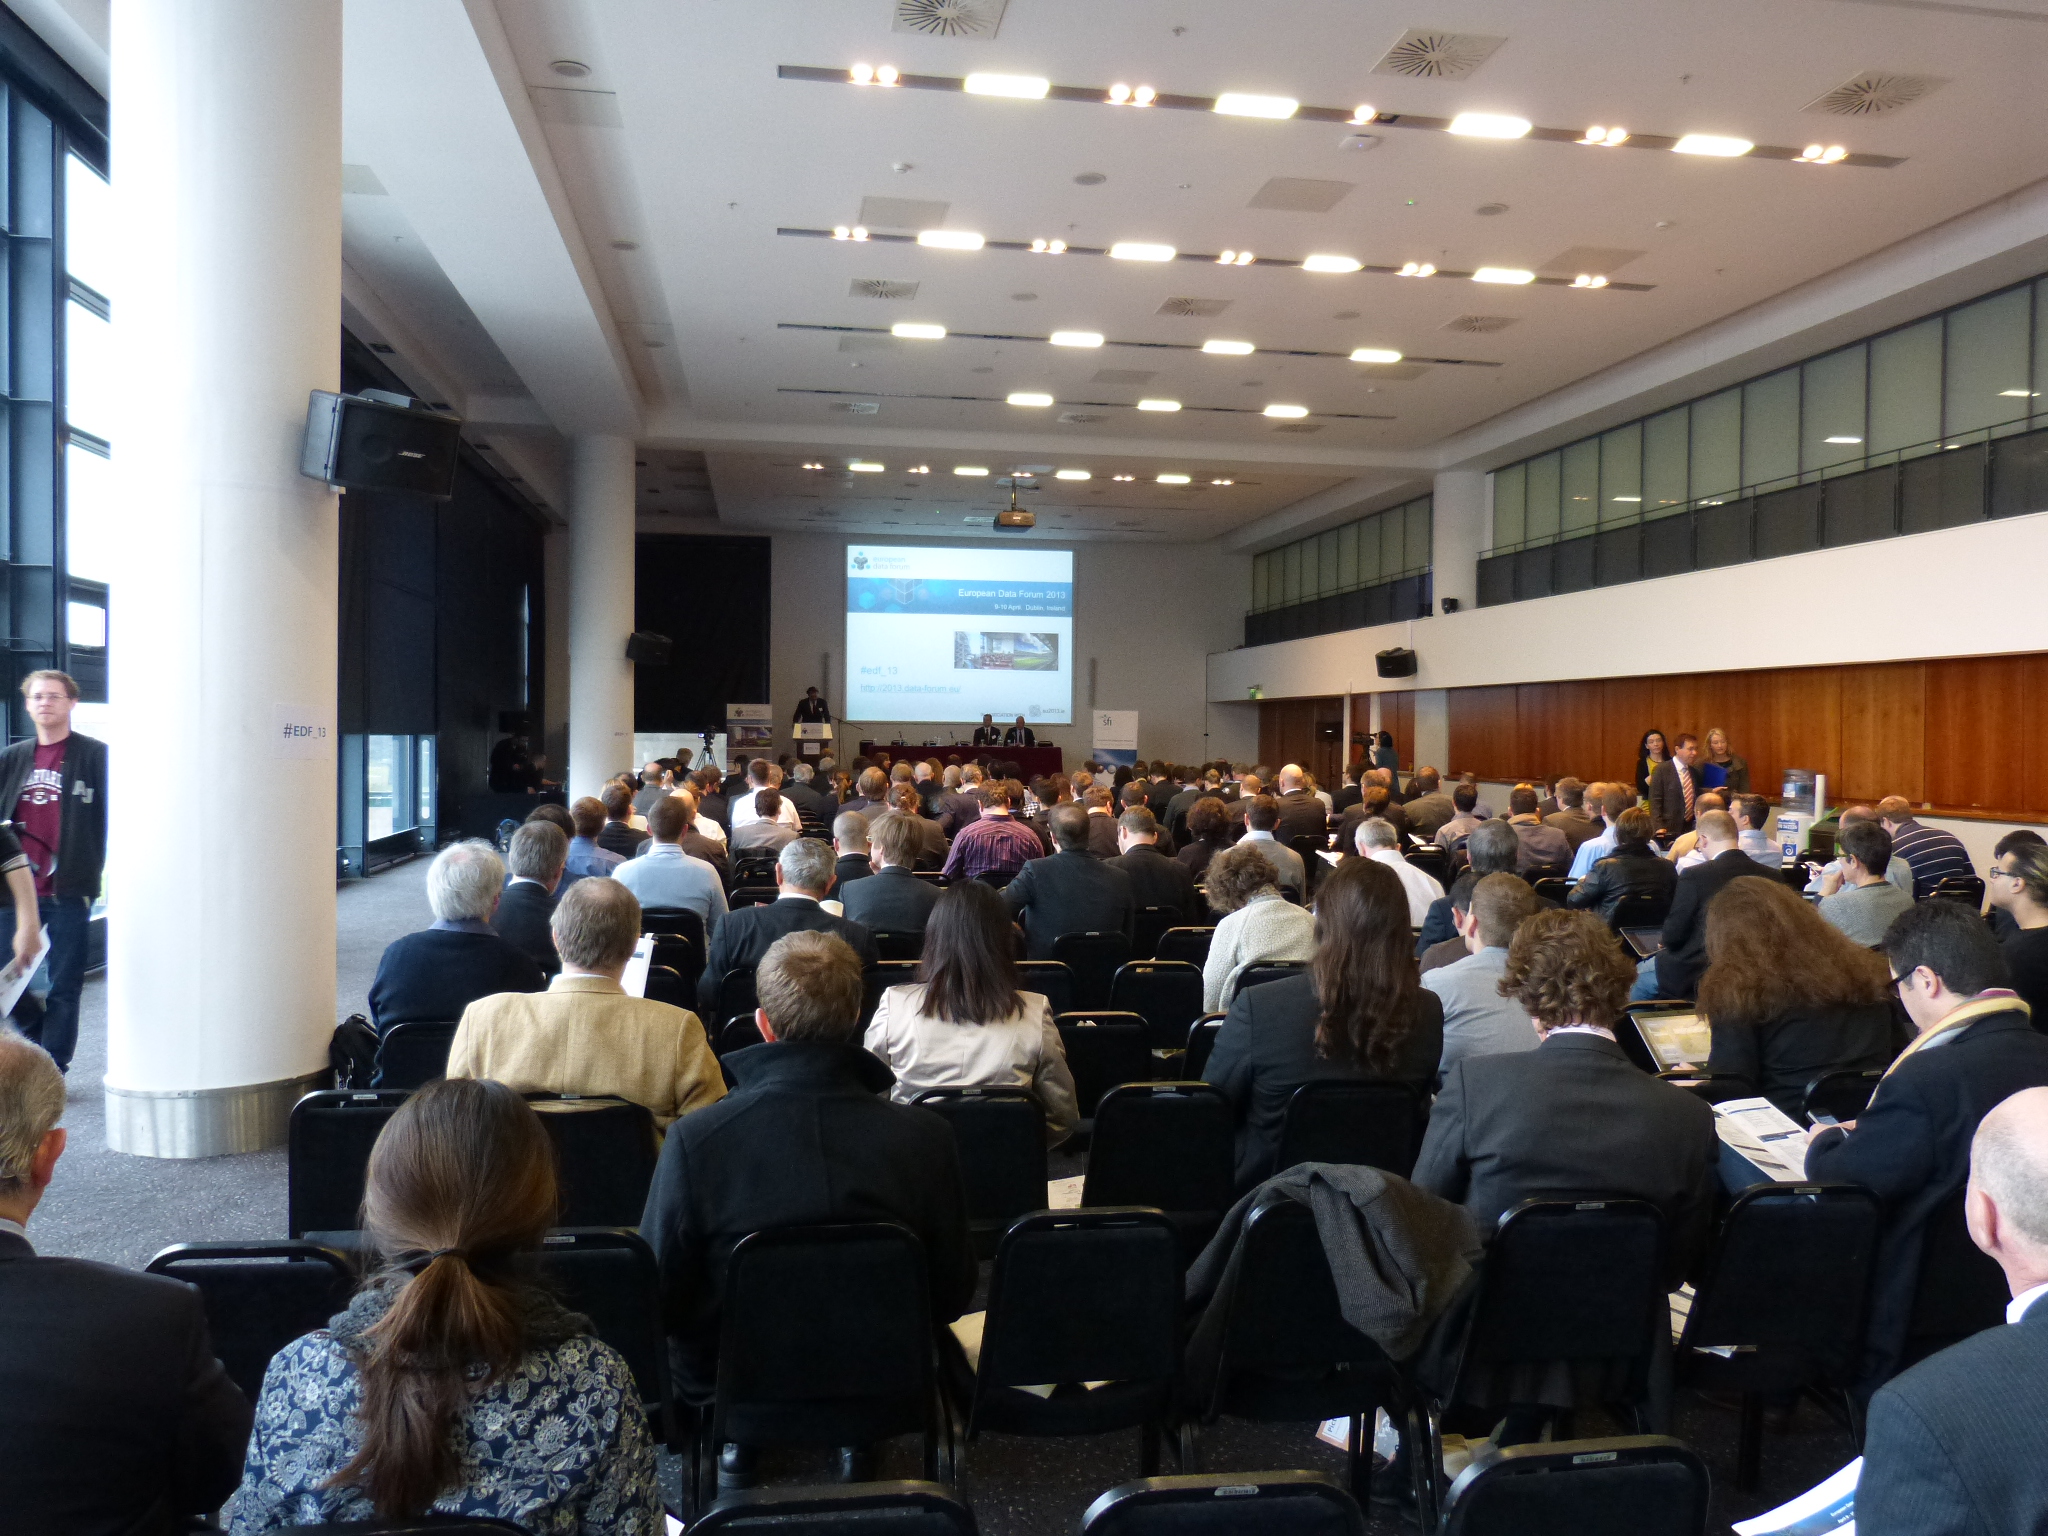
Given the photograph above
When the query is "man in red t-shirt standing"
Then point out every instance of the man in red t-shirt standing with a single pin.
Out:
(55, 790)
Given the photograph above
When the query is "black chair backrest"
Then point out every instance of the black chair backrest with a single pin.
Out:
(735, 994)
(903, 1508)
(1167, 1145)
(1284, 1318)
(679, 939)
(1842, 1095)
(1001, 1136)
(1104, 1049)
(754, 868)
(1152, 924)
(1166, 993)
(900, 946)
(996, 879)
(1093, 959)
(1638, 912)
(1968, 889)
(1635, 1485)
(328, 1154)
(1375, 1123)
(1052, 979)
(936, 877)
(1432, 861)
(825, 1338)
(1201, 1041)
(1224, 1504)
(1961, 1290)
(605, 1150)
(1550, 888)
(754, 894)
(878, 979)
(412, 1055)
(609, 1275)
(736, 1034)
(665, 984)
(259, 1297)
(1269, 970)
(1189, 944)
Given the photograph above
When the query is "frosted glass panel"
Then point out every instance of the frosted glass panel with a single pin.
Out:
(1770, 428)
(1832, 428)
(1581, 504)
(1717, 444)
(1986, 371)
(1417, 548)
(1905, 387)
(1621, 475)
(1543, 490)
(1665, 448)
(1347, 555)
(1326, 562)
(1510, 500)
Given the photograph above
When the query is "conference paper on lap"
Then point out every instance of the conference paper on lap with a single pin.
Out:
(1764, 1134)
(1828, 1509)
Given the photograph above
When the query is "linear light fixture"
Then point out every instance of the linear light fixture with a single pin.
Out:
(1174, 479)
(1241, 104)
(917, 330)
(1490, 125)
(1158, 405)
(1375, 355)
(1516, 275)
(1286, 412)
(2020, 394)
(865, 467)
(971, 471)
(1228, 348)
(1714, 144)
(950, 239)
(1030, 397)
(1331, 264)
(1021, 87)
(1073, 474)
(1625, 498)
(1075, 338)
(1139, 250)
(1844, 441)
(1359, 355)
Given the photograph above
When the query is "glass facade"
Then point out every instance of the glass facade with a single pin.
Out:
(1371, 571)
(1932, 425)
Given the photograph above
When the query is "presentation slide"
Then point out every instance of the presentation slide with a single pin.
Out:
(950, 635)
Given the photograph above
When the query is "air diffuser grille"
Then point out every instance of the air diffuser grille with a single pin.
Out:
(949, 18)
(1299, 426)
(1873, 92)
(1478, 325)
(880, 288)
(856, 407)
(1426, 55)
(1194, 307)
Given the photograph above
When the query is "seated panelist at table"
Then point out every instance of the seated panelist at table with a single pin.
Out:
(1020, 735)
(988, 733)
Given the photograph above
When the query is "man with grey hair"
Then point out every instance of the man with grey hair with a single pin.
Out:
(1378, 841)
(585, 1035)
(803, 879)
(1954, 1443)
(536, 858)
(114, 1413)
(436, 973)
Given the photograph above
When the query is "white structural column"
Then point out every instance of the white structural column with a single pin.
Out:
(600, 610)
(227, 186)
(1458, 532)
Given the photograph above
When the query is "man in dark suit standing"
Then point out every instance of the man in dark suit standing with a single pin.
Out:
(803, 878)
(1574, 1116)
(1301, 813)
(892, 899)
(114, 1413)
(527, 904)
(1674, 787)
(1975, 1048)
(1156, 879)
(1675, 970)
(1071, 892)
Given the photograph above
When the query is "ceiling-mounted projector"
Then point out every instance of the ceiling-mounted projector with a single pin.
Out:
(1016, 517)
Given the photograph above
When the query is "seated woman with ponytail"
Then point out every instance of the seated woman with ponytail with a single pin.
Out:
(453, 1384)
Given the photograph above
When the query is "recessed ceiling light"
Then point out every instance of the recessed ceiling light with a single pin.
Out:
(1374, 355)
(1712, 144)
(1138, 250)
(1173, 479)
(1223, 482)
(1843, 440)
(1022, 87)
(1028, 397)
(1286, 412)
(1489, 125)
(814, 465)
(1416, 269)
(1625, 498)
(1238, 104)
(1124, 95)
(571, 69)
(972, 470)
(1123, 477)
(843, 232)
(1235, 259)
(1589, 280)
(1158, 405)
(1503, 275)
(1819, 154)
(1075, 338)
(1605, 138)
(1073, 474)
(950, 239)
(1330, 264)
(865, 467)
(917, 330)
(2020, 394)
(1044, 247)
(1228, 348)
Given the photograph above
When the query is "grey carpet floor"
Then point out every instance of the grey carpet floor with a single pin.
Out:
(121, 1209)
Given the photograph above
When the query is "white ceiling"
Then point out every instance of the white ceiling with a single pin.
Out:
(509, 187)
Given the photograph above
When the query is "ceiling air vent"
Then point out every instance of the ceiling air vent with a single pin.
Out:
(1478, 325)
(949, 18)
(1194, 307)
(856, 407)
(1081, 418)
(1425, 55)
(1873, 92)
(1122, 376)
(880, 288)
(1299, 426)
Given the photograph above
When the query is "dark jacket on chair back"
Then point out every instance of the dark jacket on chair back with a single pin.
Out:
(1070, 893)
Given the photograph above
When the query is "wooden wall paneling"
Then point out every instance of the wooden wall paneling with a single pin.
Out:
(1802, 721)
(1627, 709)
(1536, 731)
(1482, 731)
(1571, 736)
(1884, 733)
(1322, 757)
(1397, 714)
(1269, 728)
(1975, 708)
(2033, 730)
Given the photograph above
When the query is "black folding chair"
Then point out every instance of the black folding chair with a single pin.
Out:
(825, 1339)
(1167, 1145)
(1549, 889)
(1103, 1049)
(259, 1296)
(328, 1155)
(1075, 1297)
(679, 940)
(899, 1508)
(1216, 1503)
(1052, 980)
(665, 984)
(752, 895)
(878, 979)
(1840, 1095)
(1093, 959)
(1784, 1287)
(754, 869)
(1001, 1136)
(736, 1034)
(1638, 912)
(1359, 1120)
(1432, 861)
(1959, 1290)
(1201, 1041)
(1634, 1485)
(1967, 889)
(1167, 994)
(733, 994)
(1283, 1353)
(1189, 944)
(605, 1150)
(996, 879)
(1152, 924)
(413, 1054)
(609, 1275)
(1268, 970)
(900, 946)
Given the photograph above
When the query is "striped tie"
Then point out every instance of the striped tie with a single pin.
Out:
(1685, 783)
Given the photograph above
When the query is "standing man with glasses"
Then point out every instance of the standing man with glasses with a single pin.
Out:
(55, 790)
(2017, 884)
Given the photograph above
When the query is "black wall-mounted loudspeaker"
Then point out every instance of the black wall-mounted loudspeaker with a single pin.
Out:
(379, 441)
(1450, 605)
(646, 649)
(1396, 663)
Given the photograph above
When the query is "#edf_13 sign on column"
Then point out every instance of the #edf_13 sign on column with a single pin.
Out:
(1116, 736)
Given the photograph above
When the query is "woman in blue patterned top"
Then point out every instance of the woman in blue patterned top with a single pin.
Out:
(453, 1384)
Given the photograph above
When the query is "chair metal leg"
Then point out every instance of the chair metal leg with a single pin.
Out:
(1358, 1448)
(1190, 1447)
(1423, 1435)
(1749, 1442)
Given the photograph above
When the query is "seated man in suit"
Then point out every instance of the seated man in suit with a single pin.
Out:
(1675, 970)
(769, 831)
(619, 835)
(114, 1413)
(1156, 880)
(586, 856)
(585, 1035)
(1378, 841)
(1071, 892)
(1975, 1047)
(807, 1137)
(1675, 785)
(988, 733)
(1261, 816)
(1571, 817)
(436, 973)
(1465, 818)
(1020, 735)
(956, 806)
(892, 900)
(850, 842)
(1431, 807)
(1134, 797)
(1545, 850)
(1478, 1021)
(1301, 813)
(668, 878)
(535, 858)
(1492, 849)
(803, 878)
(1099, 801)
(1574, 1116)
(1954, 1443)
(800, 791)
(996, 843)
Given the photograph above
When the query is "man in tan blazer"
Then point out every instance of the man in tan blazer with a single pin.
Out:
(585, 1035)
